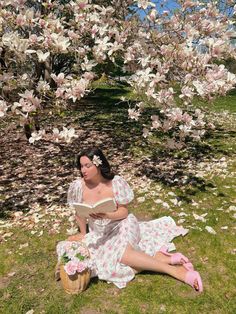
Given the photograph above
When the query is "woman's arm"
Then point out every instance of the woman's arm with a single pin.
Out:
(120, 213)
(82, 226)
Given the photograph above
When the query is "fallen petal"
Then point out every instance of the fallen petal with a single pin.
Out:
(210, 230)
(11, 274)
(224, 227)
(23, 245)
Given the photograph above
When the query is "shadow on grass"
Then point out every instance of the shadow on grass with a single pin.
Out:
(232, 92)
(41, 173)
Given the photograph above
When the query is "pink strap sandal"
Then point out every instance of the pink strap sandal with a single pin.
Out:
(191, 277)
(176, 258)
(188, 266)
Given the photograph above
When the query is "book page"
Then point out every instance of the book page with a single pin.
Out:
(103, 206)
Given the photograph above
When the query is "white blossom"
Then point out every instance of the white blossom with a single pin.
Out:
(36, 136)
(96, 160)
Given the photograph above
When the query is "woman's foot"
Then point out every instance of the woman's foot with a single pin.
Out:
(193, 279)
(190, 277)
(188, 266)
(175, 258)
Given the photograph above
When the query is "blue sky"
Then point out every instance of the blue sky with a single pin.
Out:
(162, 6)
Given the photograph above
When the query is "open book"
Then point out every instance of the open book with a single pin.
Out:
(103, 206)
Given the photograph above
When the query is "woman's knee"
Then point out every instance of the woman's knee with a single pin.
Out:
(127, 255)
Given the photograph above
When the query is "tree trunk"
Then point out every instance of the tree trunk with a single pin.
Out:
(28, 131)
(36, 122)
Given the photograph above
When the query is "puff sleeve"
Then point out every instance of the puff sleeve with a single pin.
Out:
(122, 191)
(74, 194)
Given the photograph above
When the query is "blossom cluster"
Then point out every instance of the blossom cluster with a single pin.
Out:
(174, 64)
(52, 51)
(74, 256)
(66, 135)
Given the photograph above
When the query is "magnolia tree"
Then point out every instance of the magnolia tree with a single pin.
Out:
(51, 52)
(179, 56)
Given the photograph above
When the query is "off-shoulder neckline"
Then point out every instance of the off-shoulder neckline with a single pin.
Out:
(81, 179)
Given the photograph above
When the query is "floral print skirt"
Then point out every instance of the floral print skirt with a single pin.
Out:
(106, 249)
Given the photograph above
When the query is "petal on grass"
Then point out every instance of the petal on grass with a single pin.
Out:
(224, 228)
(158, 201)
(200, 217)
(210, 230)
(23, 245)
(140, 199)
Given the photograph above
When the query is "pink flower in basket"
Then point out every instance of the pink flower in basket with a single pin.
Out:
(81, 267)
(74, 256)
(71, 268)
(83, 251)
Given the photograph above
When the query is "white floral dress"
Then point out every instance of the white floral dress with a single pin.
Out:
(107, 239)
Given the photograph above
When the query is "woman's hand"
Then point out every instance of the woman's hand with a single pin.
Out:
(99, 216)
(76, 237)
(120, 213)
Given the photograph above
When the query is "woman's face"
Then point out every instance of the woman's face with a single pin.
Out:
(88, 169)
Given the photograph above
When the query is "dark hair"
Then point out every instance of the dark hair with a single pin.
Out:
(104, 167)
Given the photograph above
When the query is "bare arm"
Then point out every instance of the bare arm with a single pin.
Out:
(82, 226)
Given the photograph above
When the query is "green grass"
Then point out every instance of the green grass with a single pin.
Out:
(33, 286)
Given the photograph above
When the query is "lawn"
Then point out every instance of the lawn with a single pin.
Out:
(196, 187)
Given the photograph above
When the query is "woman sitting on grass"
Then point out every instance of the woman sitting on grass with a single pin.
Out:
(119, 245)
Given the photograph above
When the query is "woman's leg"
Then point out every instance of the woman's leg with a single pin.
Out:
(162, 258)
(141, 261)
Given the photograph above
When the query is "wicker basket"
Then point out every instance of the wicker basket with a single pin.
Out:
(74, 284)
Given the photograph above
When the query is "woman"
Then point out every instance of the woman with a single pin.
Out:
(119, 245)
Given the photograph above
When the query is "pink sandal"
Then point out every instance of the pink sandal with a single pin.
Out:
(188, 266)
(191, 277)
(175, 258)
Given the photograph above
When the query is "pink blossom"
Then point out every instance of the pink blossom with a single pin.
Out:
(133, 114)
(60, 92)
(186, 118)
(88, 76)
(68, 244)
(165, 96)
(144, 4)
(187, 92)
(33, 38)
(82, 5)
(81, 267)
(83, 251)
(27, 106)
(20, 20)
(59, 79)
(155, 122)
(71, 268)
(151, 93)
(175, 114)
(28, 95)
